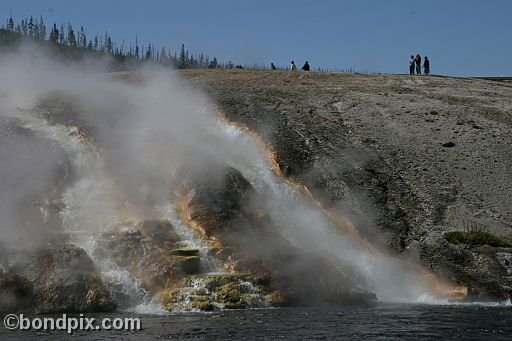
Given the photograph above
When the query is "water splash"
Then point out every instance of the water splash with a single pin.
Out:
(208, 291)
(150, 308)
(432, 300)
(126, 290)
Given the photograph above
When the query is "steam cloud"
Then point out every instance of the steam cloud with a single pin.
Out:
(146, 128)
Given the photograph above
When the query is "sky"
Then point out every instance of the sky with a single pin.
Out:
(460, 37)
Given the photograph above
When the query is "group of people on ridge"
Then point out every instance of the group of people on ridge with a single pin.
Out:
(305, 67)
(293, 67)
(415, 65)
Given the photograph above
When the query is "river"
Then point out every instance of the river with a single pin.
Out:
(381, 322)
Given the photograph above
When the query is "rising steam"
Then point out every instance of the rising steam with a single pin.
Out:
(144, 129)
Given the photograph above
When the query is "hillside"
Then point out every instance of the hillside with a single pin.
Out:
(370, 176)
(408, 159)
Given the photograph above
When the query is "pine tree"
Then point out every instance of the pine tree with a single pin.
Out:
(10, 25)
(163, 55)
(31, 27)
(36, 30)
(120, 51)
(108, 45)
(24, 28)
(183, 57)
(71, 36)
(105, 42)
(54, 34)
(42, 29)
(148, 52)
(62, 38)
(136, 48)
(82, 41)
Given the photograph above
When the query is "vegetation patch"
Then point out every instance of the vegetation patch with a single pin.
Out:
(477, 238)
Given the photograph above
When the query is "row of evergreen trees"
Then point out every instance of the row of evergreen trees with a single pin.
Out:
(103, 44)
(76, 44)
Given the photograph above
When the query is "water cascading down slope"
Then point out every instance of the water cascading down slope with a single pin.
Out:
(180, 209)
(127, 247)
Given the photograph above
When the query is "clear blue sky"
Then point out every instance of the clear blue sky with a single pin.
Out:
(461, 37)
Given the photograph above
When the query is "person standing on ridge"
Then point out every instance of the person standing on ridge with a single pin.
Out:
(418, 64)
(411, 65)
(305, 67)
(293, 67)
(426, 65)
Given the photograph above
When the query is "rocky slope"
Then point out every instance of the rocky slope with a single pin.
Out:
(408, 159)
(75, 266)
(420, 165)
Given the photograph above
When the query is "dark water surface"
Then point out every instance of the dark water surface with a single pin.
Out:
(381, 322)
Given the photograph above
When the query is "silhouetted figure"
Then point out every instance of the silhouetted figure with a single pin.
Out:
(305, 67)
(293, 67)
(272, 66)
(426, 65)
(418, 64)
(411, 65)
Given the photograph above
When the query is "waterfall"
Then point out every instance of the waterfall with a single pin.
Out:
(191, 240)
(309, 227)
(92, 206)
(89, 205)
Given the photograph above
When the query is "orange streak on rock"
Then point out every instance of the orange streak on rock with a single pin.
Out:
(183, 212)
(436, 285)
(271, 156)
